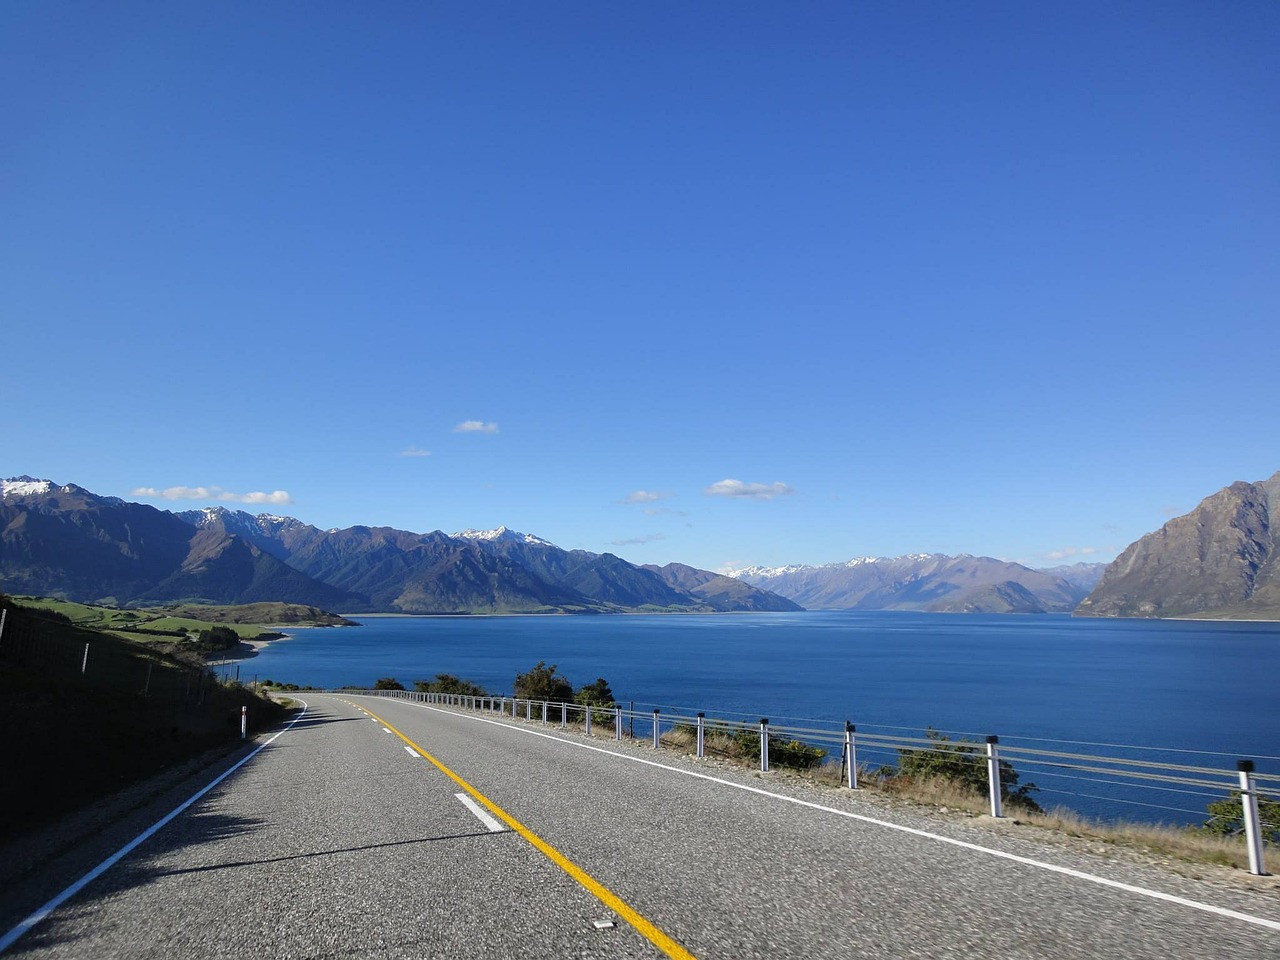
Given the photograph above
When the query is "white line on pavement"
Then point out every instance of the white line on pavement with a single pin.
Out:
(492, 825)
(14, 934)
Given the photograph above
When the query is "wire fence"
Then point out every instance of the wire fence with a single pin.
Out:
(1138, 776)
(99, 660)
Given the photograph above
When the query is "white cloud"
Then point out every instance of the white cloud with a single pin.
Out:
(213, 493)
(412, 451)
(738, 490)
(475, 426)
(636, 541)
(644, 496)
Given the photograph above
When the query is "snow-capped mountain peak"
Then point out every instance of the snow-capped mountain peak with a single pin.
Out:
(24, 486)
(502, 534)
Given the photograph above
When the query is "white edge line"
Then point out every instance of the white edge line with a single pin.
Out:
(493, 825)
(1027, 861)
(18, 931)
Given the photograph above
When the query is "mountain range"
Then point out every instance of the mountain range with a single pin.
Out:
(63, 540)
(1221, 560)
(935, 583)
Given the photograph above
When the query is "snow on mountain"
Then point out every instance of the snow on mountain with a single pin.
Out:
(500, 534)
(24, 486)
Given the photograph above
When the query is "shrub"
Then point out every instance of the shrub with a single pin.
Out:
(448, 683)
(599, 699)
(1226, 817)
(962, 762)
(543, 683)
(388, 683)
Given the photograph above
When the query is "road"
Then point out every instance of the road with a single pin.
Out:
(346, 837)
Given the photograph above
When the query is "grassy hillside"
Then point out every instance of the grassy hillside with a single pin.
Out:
(149, 624)
(86, 712)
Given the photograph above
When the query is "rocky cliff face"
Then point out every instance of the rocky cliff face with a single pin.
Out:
(1219, 560)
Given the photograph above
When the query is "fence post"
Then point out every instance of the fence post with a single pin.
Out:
(244, 722)
(764, 744)
(993, 775)
(586, 719)
(851, 754)
(617, 722)
(1252, 827)
(702, 731)
(84, 664)
(657, 730)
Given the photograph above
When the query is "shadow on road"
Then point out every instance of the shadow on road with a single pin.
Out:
(322, 853)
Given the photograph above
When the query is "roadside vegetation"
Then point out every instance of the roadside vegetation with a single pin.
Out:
(87, 712)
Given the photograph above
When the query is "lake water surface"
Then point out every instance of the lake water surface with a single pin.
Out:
(1202, 686)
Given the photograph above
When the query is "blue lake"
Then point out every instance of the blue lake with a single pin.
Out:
(1193, 686)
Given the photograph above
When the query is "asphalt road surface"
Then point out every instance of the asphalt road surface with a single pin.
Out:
(380, 828)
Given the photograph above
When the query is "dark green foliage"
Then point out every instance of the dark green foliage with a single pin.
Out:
(448, 683)
(599, 698)
(217, 639)
(388, 683)
(543, 683)
(595, 694)
(1227, 817)
(782, 753)
(964, 763)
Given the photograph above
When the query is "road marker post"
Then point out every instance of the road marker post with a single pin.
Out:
(993, 776)
(764, 744)
(244, 722)
(702, 735)
(657, 730)
(1252, 825)
(851, 754)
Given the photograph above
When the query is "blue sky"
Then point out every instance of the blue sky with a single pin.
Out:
(722, 283)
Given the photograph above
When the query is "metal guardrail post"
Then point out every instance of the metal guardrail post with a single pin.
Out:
(657, 731)
(764, 744)
(702, 735)
(1252, 826)
(993, 775)
(851, 755)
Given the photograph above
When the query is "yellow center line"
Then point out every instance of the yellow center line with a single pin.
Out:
(593, 886)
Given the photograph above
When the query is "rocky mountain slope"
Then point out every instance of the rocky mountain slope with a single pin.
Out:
(929, 582)
(62, 540)
(1219, 560)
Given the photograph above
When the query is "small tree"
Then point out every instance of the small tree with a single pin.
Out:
(448, 683)
(543, 683)
(599, 699)
(388, 683)
(1226, 817)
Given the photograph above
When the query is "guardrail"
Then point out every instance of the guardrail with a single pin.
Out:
(806, 745)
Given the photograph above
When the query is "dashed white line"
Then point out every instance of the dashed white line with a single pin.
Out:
(492, 825)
